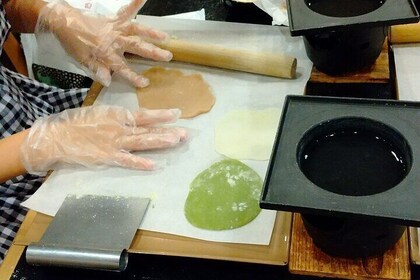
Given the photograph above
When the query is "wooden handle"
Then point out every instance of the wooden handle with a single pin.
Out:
(407, 33)
(247, 61)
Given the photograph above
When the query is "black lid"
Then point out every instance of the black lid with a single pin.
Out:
(288, 187)
(313, 16)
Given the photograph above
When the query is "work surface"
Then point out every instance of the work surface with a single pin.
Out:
(169, 186)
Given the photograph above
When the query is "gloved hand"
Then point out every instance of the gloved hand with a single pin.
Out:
(98, 43)
(99, 135)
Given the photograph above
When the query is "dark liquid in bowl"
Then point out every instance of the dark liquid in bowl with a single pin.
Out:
(344, 8)
(353, 162)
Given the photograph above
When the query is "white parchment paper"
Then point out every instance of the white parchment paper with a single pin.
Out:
(407, 64)
(169, 186)
(277, 9)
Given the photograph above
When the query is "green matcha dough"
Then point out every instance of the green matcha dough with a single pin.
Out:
(224, 196)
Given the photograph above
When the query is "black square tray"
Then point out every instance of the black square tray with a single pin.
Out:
(303, 20)
(287, 188)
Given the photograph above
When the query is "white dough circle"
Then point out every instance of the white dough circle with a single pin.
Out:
(247, 134)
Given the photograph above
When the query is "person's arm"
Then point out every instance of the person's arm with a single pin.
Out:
(89, 136)
(23, 14)
(11, 164)
(97, 42)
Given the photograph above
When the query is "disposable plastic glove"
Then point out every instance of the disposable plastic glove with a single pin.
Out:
(98, 43)
(98, 135)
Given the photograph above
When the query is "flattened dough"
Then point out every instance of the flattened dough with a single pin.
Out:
(247, 134)
(170, 88)
(224, 196)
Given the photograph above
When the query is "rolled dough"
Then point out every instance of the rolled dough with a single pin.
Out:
(170, 88)
(247, 134)
(224, 196)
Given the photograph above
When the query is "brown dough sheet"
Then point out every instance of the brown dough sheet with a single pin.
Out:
(170, 88)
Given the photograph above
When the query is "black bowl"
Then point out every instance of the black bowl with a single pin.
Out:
(339, 52)
(351, 167)
(351, 238)
(346, 35)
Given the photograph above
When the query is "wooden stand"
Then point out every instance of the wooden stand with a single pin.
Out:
(375, 82)
(307, 259)
(414, 245)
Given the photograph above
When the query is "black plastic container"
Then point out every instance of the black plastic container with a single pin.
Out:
(345, 156)
(347, 35)
(351, 238)
(338, 52)
(351, 168)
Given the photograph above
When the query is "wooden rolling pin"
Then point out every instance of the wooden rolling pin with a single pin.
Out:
(407, 33)
(227, 58)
